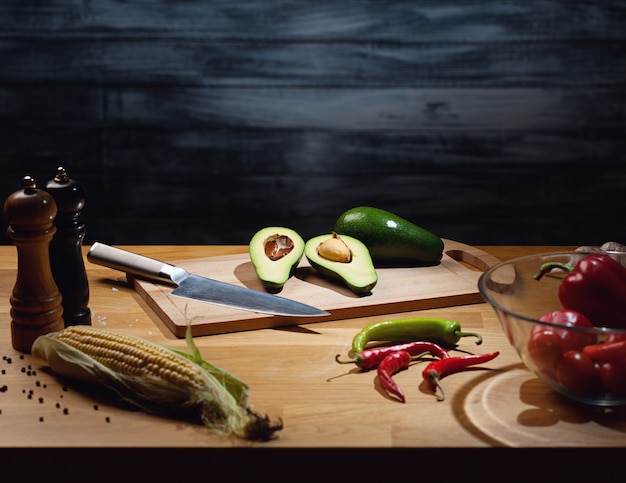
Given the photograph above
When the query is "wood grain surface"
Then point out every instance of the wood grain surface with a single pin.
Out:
(201, 122)
(292, 374)
(397, 290)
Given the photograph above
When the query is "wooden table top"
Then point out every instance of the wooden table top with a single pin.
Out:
(293, 375)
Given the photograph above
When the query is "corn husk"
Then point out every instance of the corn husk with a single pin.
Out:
(222, 403)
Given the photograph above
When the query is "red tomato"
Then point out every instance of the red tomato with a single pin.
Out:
(544, 348)
(613, 375)
(577, 373)
(572, 339)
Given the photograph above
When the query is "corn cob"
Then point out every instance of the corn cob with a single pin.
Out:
(133, 356)
(155, 378)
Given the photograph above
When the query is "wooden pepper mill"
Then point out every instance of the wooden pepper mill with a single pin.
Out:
(66, 257)
(36, 300)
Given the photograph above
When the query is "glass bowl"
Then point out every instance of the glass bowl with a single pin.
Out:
(519, 299)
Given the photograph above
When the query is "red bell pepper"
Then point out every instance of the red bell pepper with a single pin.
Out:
(547, 344)
(571, 339)
(595, 286)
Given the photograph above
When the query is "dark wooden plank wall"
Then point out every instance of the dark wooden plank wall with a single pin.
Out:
(196, 122)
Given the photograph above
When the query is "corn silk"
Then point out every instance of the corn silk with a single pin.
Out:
(221, 401)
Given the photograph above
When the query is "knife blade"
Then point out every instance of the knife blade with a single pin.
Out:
(195, 287)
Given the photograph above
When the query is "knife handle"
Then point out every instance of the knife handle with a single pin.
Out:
(129, 262)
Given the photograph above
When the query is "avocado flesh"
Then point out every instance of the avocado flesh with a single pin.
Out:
(359, 274)
(390, 239)
(286, 245)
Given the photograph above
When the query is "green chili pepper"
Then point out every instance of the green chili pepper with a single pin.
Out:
(443, 331)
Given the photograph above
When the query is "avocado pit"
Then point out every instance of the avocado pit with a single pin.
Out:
(277, 246)
(335, 249)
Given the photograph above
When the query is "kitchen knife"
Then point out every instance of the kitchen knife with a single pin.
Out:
(196, 287)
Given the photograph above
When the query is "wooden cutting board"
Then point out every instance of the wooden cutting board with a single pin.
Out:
(452, 282)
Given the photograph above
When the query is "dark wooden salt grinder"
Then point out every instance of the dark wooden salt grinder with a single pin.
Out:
(36, 307)
(66, 257)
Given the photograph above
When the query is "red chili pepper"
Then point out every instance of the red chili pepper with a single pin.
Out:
(607, 351)
(437, 370)
(595, 286)
(392, 363)
(370, 358)
(615, 336)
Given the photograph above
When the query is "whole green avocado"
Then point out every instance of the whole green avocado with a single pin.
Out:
(390, 239)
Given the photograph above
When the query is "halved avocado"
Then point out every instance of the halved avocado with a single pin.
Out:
(275, 252)
(344, 258)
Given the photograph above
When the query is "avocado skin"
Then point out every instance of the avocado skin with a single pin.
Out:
(275, 273)
(359, 275)
(390, 239)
